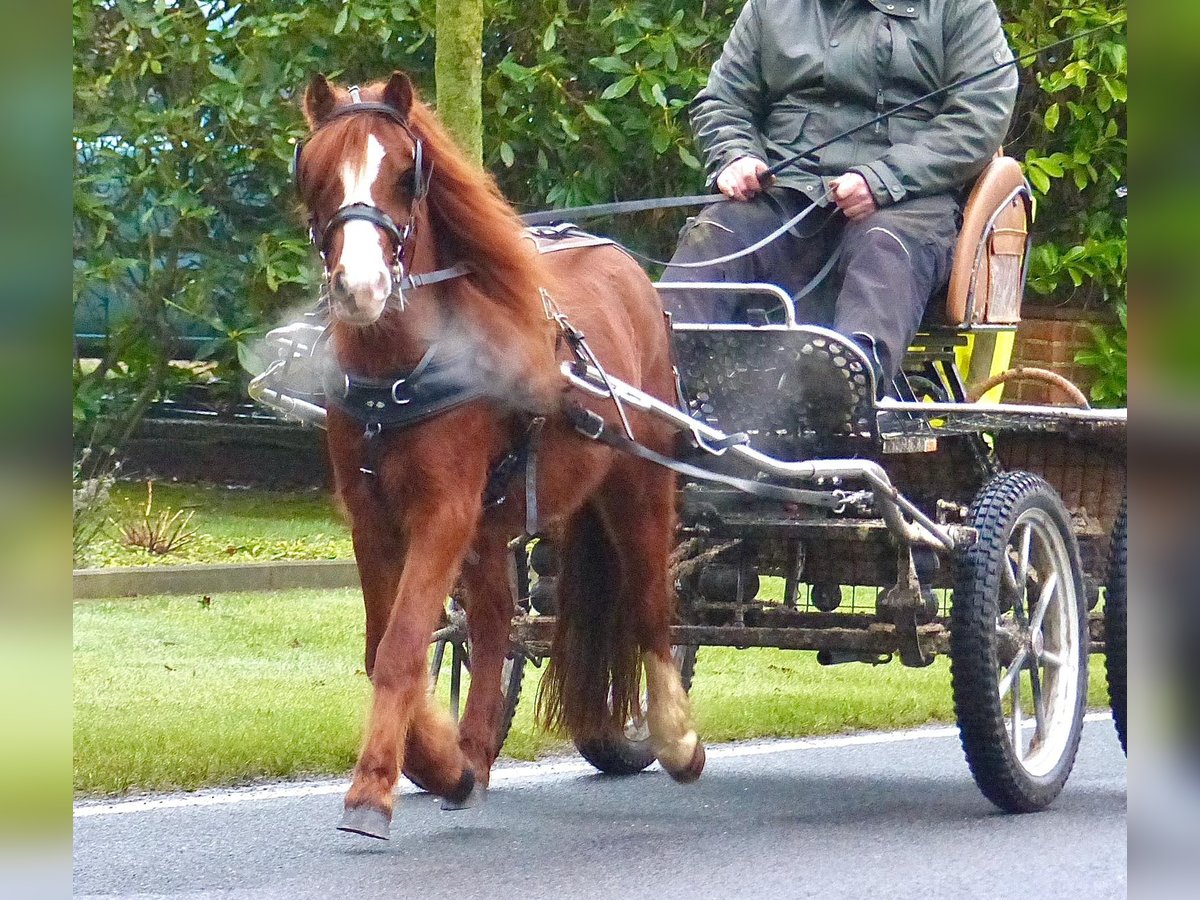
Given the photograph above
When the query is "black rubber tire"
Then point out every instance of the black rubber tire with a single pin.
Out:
(1116, 625)
(619, 755)
(512, 696)
(974, 644)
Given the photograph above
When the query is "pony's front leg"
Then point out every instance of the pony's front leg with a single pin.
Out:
(400, 682)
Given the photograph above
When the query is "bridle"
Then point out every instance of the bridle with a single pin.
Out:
(368, 212)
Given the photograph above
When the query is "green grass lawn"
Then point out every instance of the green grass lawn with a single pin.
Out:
(170, 693)
(231, 525)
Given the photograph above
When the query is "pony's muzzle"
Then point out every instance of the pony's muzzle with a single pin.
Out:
(359, 301)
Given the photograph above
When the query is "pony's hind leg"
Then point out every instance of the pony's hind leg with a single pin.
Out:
(644, 544)
(669, 717)
(490, 607)
(429, 756)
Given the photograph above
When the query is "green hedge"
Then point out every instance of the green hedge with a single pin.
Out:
(185, 118)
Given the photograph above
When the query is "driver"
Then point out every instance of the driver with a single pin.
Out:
(795, 73)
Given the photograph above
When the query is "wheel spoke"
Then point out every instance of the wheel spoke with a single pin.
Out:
(1050, 659)
(1013, 674)
(1010, 575)
(1039, 705)
(1023, 554)
(1043, 603)
(456, 670)
(435, 665)
(1022, 574)
(1016, 720)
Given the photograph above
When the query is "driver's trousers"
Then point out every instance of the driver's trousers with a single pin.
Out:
(890, 263)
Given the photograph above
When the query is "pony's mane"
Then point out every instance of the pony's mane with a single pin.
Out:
(471, 219)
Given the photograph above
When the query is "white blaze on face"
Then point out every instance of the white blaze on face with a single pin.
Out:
(366, 270)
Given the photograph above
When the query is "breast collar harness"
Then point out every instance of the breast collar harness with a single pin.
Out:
(434, 386)
(368, 212)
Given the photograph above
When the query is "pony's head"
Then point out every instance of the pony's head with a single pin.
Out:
(361, 177)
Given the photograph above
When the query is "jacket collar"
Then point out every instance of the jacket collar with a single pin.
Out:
(904, 9)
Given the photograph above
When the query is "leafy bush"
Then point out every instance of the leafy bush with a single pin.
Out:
(1109, 356)
(92, 480)
(186, 117)
(1069, 130)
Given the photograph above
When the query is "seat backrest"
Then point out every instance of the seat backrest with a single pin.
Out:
(987, 276)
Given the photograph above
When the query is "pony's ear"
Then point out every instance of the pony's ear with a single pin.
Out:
(319, 100)
(399, 93)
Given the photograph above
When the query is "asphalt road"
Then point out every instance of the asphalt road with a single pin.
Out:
(892, 816)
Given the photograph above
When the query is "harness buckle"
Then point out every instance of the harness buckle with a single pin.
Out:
(396, 397)
(586, 422)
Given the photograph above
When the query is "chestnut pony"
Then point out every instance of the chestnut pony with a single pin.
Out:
(414, 494)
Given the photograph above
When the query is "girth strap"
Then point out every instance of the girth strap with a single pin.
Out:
(522, 457)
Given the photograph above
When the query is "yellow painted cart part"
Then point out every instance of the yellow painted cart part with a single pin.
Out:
(983, 356)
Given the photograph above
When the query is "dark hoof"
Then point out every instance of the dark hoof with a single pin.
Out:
(466, 794)
(367, 821)
(692, 770)
(416, 782)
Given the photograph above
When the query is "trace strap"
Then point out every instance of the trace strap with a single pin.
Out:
(592, 426)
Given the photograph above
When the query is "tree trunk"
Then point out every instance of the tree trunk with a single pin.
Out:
(458, 68)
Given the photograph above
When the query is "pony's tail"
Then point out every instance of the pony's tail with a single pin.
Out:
(592, 685)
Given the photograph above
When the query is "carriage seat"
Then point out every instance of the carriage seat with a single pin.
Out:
(970, 327)
(987, 274)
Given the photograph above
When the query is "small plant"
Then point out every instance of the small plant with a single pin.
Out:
(1108, 355)
(92, 478)
(159, 534)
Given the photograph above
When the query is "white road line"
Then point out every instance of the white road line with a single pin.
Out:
(516, 774)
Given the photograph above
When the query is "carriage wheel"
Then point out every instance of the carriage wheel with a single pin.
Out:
(1116, 620)
(1018, 643)
(450, 658)
(629, 752)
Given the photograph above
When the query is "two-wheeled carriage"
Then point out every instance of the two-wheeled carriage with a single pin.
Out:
(980, 530)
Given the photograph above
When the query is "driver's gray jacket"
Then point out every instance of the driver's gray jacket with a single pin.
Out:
(795, 73)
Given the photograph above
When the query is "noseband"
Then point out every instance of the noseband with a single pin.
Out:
(368, 212)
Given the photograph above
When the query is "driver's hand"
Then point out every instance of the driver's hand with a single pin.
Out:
(853, 196)
(739, 179)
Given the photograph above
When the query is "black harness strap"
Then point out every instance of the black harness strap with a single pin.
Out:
(364, 212)
(534, 434)
(522, 457)
(593, 426)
